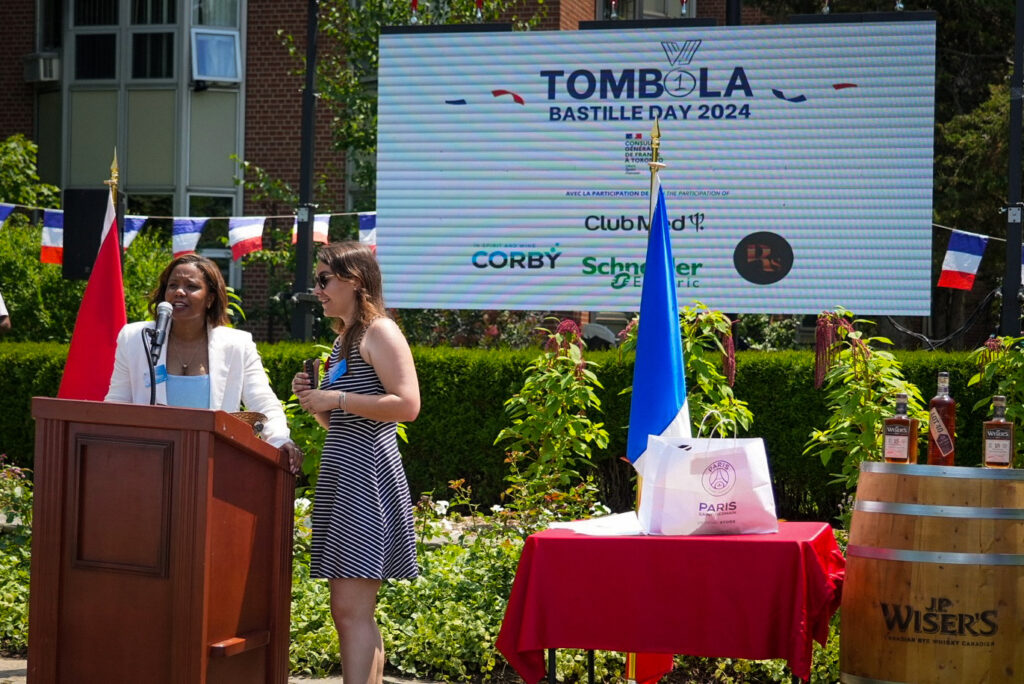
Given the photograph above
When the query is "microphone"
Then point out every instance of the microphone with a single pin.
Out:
(164, 311)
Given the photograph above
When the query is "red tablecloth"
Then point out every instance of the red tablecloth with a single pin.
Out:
(744, 596)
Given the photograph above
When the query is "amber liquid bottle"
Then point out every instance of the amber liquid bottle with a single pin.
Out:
(900, 434)
(998, 437)
(942, 425)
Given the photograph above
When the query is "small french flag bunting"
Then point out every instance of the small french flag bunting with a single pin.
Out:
(245, 235)
(963, 256)
(132, 226)
(321, 222)
(185, 234)
(52, 251)
(368, 229)
(5, 211)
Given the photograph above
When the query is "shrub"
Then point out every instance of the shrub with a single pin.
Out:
(43, 305)
(15, 556)
(463, 391)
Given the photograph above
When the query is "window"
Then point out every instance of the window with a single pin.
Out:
(151, 205)
(95, 56)
(140, 204)
(215, 56)
(215, 13)
(647, 9)
(230, 269)
(215, 233)
(665, 9)
(96, 13)
(153, 55)
(211, 205)
(153, 11)
(51, 24)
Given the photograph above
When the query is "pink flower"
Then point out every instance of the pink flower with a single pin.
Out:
(567, 327)
(567, 332)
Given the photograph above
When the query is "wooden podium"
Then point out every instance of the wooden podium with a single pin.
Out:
(161, 549)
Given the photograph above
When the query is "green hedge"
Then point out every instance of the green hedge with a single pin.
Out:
(464, 391)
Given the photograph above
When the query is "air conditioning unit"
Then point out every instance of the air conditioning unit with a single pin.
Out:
(41, 67)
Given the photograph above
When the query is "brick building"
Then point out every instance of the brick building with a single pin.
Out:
(179, 87)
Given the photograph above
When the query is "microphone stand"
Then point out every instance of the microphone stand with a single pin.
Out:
(148, 336)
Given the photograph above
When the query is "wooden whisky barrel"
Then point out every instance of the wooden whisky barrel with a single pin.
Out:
(934, 588)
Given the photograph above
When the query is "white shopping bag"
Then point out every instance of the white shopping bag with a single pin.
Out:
(706, 486)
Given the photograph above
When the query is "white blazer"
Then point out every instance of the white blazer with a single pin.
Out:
(236, 376)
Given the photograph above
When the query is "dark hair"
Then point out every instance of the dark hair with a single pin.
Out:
(355, 261)
(217, 312)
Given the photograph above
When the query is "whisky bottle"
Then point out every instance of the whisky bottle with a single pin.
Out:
(900, 434)
(998, 437)
(941, 424)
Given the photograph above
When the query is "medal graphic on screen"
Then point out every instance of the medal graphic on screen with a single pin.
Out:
(763, 258)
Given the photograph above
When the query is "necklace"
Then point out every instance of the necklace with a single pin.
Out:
(192, 356)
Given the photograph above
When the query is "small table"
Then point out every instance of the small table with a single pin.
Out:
(751, 596)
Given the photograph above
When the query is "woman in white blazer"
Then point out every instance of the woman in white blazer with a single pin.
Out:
(203, 363)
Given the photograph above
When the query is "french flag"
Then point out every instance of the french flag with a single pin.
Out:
(132, 226)
(963, 256)
(658, 405)
(368, 229)
(185, 235)
(321, 222)
(5, 211)
(245, 235)
(52, 251)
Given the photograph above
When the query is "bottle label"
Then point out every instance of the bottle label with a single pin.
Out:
(897, 430)
(940, 433)
(997, 446)
(897, 448)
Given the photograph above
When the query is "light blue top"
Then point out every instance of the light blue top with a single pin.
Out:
(188, 391)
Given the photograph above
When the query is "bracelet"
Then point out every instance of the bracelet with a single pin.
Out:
(342, 400)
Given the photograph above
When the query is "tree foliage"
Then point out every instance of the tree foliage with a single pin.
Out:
(347, 66)
(19, 181)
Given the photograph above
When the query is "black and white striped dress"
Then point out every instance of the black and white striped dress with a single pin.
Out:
(362, 512)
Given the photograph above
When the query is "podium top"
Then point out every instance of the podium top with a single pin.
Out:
(220, 423)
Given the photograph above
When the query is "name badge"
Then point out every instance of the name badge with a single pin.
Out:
(337, 370)
(161, 375)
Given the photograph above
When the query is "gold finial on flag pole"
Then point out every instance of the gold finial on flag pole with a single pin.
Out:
(656, 166)
(114, 175)
(655, 143)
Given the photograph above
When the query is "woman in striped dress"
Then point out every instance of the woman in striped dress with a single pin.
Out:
(362, 512)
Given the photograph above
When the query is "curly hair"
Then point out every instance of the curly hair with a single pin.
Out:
(217, 313)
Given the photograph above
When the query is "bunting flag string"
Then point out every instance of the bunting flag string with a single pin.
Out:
(245, 233)
(185, 235)
(52, 251)
(963, 257)
(132, 226)
(320, 225)
(368, 230)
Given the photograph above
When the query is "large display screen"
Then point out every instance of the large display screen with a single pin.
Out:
(512, 168)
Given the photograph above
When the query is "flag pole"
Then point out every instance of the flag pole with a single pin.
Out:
(119, 209)
(114, 177)
(655, 167)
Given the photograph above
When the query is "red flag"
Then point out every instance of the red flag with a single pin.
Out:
(100, 318)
